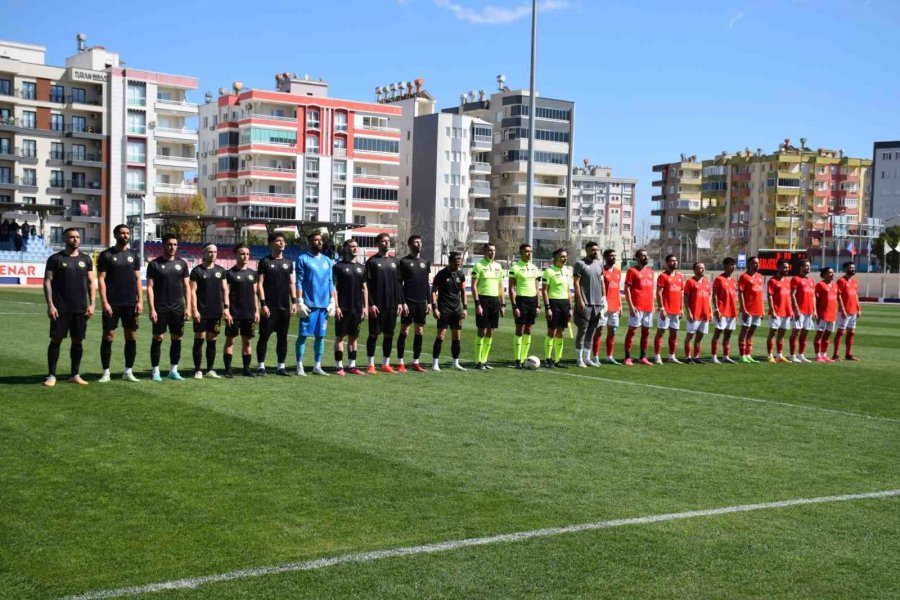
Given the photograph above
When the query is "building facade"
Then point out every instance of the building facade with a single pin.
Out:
(679, 196)
(602, 207)
(886, 182)
(295, 153)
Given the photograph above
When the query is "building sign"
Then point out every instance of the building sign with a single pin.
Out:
(768, 260)
(23, 270)
(93, 76)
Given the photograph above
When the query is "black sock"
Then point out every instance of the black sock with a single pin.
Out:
(246, 358)
(175, 351)
(281, 347)
(351, 354)
(338, 355)
(130, 353)
(370, 346)
(386, 343)
(401, 345)
(105, 353)
(227, 357)
(417, 346)
(436, 349)
(75, 353)
(52, 357)
(155, 352)
(210, 354)
(197, 353)
(454, 348)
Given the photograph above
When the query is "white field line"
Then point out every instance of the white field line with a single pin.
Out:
(363, 557)
(731, 397)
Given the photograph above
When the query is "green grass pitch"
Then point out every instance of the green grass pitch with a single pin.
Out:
(117, 485)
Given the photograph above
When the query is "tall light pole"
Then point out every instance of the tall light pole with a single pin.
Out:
(529, 189)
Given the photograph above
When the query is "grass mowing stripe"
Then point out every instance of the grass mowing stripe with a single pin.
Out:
(360, 557)
(731, 397)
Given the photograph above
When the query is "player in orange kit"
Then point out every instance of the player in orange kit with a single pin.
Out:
(639, 287)
(849, 311)
(779, 293)
(670, 301)
(724, 310)
(804, 305)
(826, 313)
(750, 294)
(696, 301)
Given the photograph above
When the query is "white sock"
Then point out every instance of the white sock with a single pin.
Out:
(401, 361)
(371, 361)
(386, 360)
(415, 361)
(657, 357)
(317, 364)
(340, 365)
(156, 370)
(173, 369)
(262, 365)
(127, 370)
(455, 362)
(280, 365)
(435, 363)
(106, 372)
(352, 364)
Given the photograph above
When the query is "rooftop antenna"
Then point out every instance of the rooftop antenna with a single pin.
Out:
(81, 38)
(378, 93)
(501, 80)
(208, 97)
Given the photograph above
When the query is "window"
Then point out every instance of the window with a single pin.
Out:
(79, 124)
(312, 144)
(29, 119)
(137, 95)
(312, 118)
(29, 90)
(367, 193)
(137, 122)
(312, 168)
(228, 138)
(29, 200)
(57, 94)
(6, 148)
(338, 195)
(29, 176)
(135, 180)
(338, 216)
(340, 146)
(5, 175)
(374, 123)
(359, 219)
(555, 158)
(57, 122)
(29, 148)
(57, 151)
(79, 95)
(514, 133)
(311, 214)
(228, 164)
(265, 135)
(340, 121)
(376, 145)
(339, 170)
(886, 156)
(5, 87)
(311, 194)
(136, 151)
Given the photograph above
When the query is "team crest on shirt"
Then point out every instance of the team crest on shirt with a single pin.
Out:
(284, 266)
(65, 264)
(250, 277)
(130, 259)
(81, 264)
(393, 265)
(359, 269)
(271, 265)
(422, 265)
(177, 267)
(218, 276)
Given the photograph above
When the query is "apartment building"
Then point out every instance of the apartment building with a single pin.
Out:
(780, 200)
(92, 137)
(507, 111)
(886, 182)
(602, 207)
(295, 153)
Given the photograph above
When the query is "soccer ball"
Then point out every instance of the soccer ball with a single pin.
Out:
(532, 363)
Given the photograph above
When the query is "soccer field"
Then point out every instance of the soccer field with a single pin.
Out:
(235, 489)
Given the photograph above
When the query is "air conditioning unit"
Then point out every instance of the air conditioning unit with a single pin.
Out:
(212, 176)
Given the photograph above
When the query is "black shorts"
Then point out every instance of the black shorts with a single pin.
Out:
(171, 321)
(562, 313)
(527, 306)
(416, 313)
(208, 325)
(348, 324)
(450, 320)
(243, 327)
(384, 323)
(279, 321)
(128, 315)
(490, 313)
(66, 324)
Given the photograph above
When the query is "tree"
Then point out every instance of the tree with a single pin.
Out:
(892, 236)
(187, 231)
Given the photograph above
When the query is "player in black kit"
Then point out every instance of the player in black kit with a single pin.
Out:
(352, 297)
(277, 301)
(69, 291)
(242, 312)
(414, 274)
(119, 278)
(385, 301)
(169, 300)
(448, 297)
(208, 294)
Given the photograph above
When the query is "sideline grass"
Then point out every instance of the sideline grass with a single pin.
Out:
(115, 485)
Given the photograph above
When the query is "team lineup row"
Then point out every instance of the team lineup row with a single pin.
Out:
(385, 288)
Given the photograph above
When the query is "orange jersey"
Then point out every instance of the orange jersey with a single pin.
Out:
(611, 278)
(780, 291)
(725, 293)
(672, 287)
(640, 282)
(849, 291)
(804, 288)
(826, 300)
(697, 294)
(751, 288)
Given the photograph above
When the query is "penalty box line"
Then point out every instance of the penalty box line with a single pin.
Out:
(833, 411)
(364, 557)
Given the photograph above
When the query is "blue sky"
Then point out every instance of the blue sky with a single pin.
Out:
(651, 79)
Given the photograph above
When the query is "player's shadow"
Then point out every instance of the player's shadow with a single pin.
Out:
(21, 379)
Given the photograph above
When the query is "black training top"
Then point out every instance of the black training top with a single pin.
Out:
(120, 267)
(447, 285)
(241, 292)
(414, 275)
(70, 281)
(349, 278)
(209, 290)
(276, 274)
(168, 283)
(383, 280)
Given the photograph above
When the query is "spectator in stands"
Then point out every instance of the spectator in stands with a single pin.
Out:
(17, 239)
(4, 231)
(26, 229)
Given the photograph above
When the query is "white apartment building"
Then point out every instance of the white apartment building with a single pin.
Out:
(295, 153)
(602, 207)
(93, 137)
(886, 182)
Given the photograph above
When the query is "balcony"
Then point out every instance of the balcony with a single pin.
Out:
(274, 117)
(256, 196)
(339, 152)
(87, 132)
(175, 189)
(540, 211)
(480, 214)
(480, 237)
(83, 212)
(83, 159)
(178, 107)
(480, 189)
(27, 157)
(17, 125)
(480, 167)
(261, 171)
(136, 130)
(174, 161)
(79, 186)
(138, 102)
(380, 180)
(20, 184)
(377, 128)
(176, 133)
(92, 102)
(481, 142)
(657, 212)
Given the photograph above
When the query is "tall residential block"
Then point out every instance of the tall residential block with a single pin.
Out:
(296, 153)
(92, 137)
(602, 207)
(886, 182)
(678, 197)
